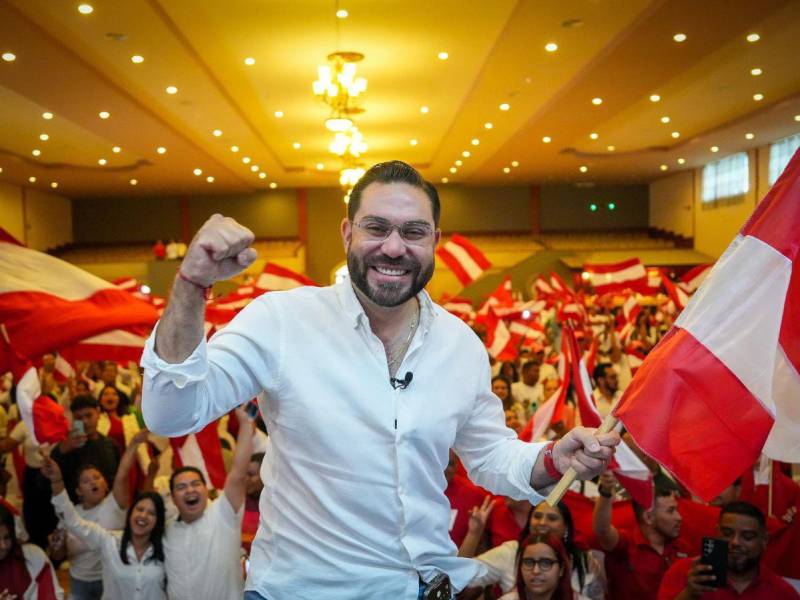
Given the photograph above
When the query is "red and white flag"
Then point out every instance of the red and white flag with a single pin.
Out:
(616, 277)
(692, 279)
(499, 341)
(723, 384)
(47, 303)
(465, 260)
(676, 293)
(551, 410)
(203, 451)
(277, 278)
(500, 301)
(460, 307)
(560, 287)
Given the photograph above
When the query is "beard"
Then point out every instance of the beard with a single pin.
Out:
(742, 565)
(388, 294)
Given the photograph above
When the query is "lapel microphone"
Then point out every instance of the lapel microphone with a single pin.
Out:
(402, 383)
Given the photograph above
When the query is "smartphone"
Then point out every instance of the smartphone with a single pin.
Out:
(77, 428)
(438, 588)
(252, 410)
(715, 554)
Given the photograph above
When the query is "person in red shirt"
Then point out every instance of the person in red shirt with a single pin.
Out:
(464, 496)
(159, 250)
(637, 559)
(744, 527)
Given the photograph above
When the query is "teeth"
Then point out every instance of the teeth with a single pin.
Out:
(385, 271)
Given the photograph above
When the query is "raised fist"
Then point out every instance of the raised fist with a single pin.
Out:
(219, 250)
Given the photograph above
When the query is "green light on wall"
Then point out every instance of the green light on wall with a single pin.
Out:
(611, 206)
(593, 207)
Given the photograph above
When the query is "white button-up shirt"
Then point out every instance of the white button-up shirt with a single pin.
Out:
(143, 579)
(355, 505)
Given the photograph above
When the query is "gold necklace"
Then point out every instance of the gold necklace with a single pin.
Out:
(394, 362)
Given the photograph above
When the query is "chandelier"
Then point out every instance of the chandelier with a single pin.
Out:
(348, 143)
(339, 88)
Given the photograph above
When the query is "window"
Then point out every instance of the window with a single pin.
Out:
(779, 154)
(726, 178)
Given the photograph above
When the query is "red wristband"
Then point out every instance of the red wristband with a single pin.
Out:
(549, 464)
(206, 289)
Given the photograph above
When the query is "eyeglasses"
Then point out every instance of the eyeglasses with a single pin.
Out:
(545, 564)
(413, 232)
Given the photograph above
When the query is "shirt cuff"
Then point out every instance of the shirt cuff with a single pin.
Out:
(523, 468)
(191, 370)
(60, 500)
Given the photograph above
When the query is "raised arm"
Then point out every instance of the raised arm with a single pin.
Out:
(607, 535)
(236, 481)
(220, 250)
(121, 487)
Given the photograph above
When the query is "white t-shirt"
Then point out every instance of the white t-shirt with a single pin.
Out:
(547, 371)
(87, 564)
(30, 449)
(530, 396)
(204, 556)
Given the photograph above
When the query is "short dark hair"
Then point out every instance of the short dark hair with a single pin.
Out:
(83, 401)
(258, 457)
(86, 467)
(393, 171)
(744, 508)
(530, 364)
(659, 491)
(185, 469)
(600, 370)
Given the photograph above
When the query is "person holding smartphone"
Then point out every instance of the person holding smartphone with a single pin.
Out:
(744, 528)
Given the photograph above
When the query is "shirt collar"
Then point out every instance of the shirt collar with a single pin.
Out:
(355, 311)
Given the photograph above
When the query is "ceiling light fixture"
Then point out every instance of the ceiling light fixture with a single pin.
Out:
(234, 148)
(753, 37)
(217, 132)
(514, 163)
(664, 167)
(85, 9)
(137, 59)
(797, 117)
(413, 142)
(254, 168)
(488, 125)
(262, 175)
(320, 166)
(583, 168)
(342, 14)
(249, 61)
(475, 142)
(459, 162)
(104, 114)
(676, 134)
(679, 37)
(47, 116)
(246, 160)
(198, 172)
(611, 148)
(681, 161)
(32, 179)
(655, 98)
(453, 170)
(36, 152)
(133, 182)
(749, 136)
(210, 179)
(443, 56)
(551, 47)
(296, 145)
(505, 106)
(54, 184)
(465, 154)
(445, 180)
(273, 185)
(171, 90)
(161, 150)
(9, 56)
(758, 97)
(593, 136)
(506, 169)
(547, 139)
(102, 162)
(116, 149)
(756, 72)
(715, 148)
(665, 119)
(44, 137)
(339, 88)
(597, 101)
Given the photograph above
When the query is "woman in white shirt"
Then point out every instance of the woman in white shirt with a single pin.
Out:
(133, 559)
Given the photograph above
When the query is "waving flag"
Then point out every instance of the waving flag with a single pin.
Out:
(499, 341)
(616, 277)
(550, 411)
(460, 307)
(276, 278)
(724, 382)
(692, 279)
(465, 260)
(47, 303)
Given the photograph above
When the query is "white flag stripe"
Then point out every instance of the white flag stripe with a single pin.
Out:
(543, 416)
(501, 339)
(740, 319)
(627, 274)
(270, 281)
(117, 337)
(465, 260)
(783, 442)
(630, 464)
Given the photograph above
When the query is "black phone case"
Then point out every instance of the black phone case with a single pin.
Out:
(715, 554)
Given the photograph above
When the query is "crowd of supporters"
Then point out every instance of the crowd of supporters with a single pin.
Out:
(113, 511)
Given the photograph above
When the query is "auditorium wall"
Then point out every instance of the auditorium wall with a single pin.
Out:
(39, 219)
(567, 207)
(672, 203)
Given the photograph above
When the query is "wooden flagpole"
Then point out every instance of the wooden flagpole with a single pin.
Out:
(769, 492)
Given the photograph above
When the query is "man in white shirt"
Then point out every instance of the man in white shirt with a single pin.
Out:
(607, 391)
(528, 391)
(202, 547)
(355, 506)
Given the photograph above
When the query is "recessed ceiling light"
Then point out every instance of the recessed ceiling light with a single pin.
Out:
(443, 56)
(44, 137)
(198, 172)
(32, 179)
(676, 134)
(172, 90)
(210, 179)
(320, 166)
(715, 148)
(47, 116)
(453, 170)
(9, 56)
(583, 169)
(36, 152)
(758, 97)
(514, 163)
(753, 37)
(459, 162)
(54, 184)
(597, 101)
(505, 106)
(341, 14)
(445, 180)
(551, 47)
(161, 150)
(797, 117)
(681, 161)
(234, 148)
(611, 148)
(488, 125)
(506, 169)
(102, 162)
(246, 160)
(413, 142)
(664, 167)
(547, 139)
(133, 181)
(756, 72)
(254, 168)
(679, 37)
(249, 61)
(116, 149)
(465, 154)
(749, 136)
(593, 135)
(137, 59)
(216, 132)
(1, 169)
(655, 98)
(278, 114)
(272, 185)
(296, 145)
(424, 110)
(103, 114)
(475, 141)
(665, 119)
(85, 9)
(262, 175)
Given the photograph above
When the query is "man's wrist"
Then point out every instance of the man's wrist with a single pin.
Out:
(548, 462)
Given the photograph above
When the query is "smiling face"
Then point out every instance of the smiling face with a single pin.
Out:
(540, 569)
(546, 520)
(190, 495)
(389, 272)
(143, 518)
(500, 388)
(109, 399)
(92, 487)
(747, 541)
